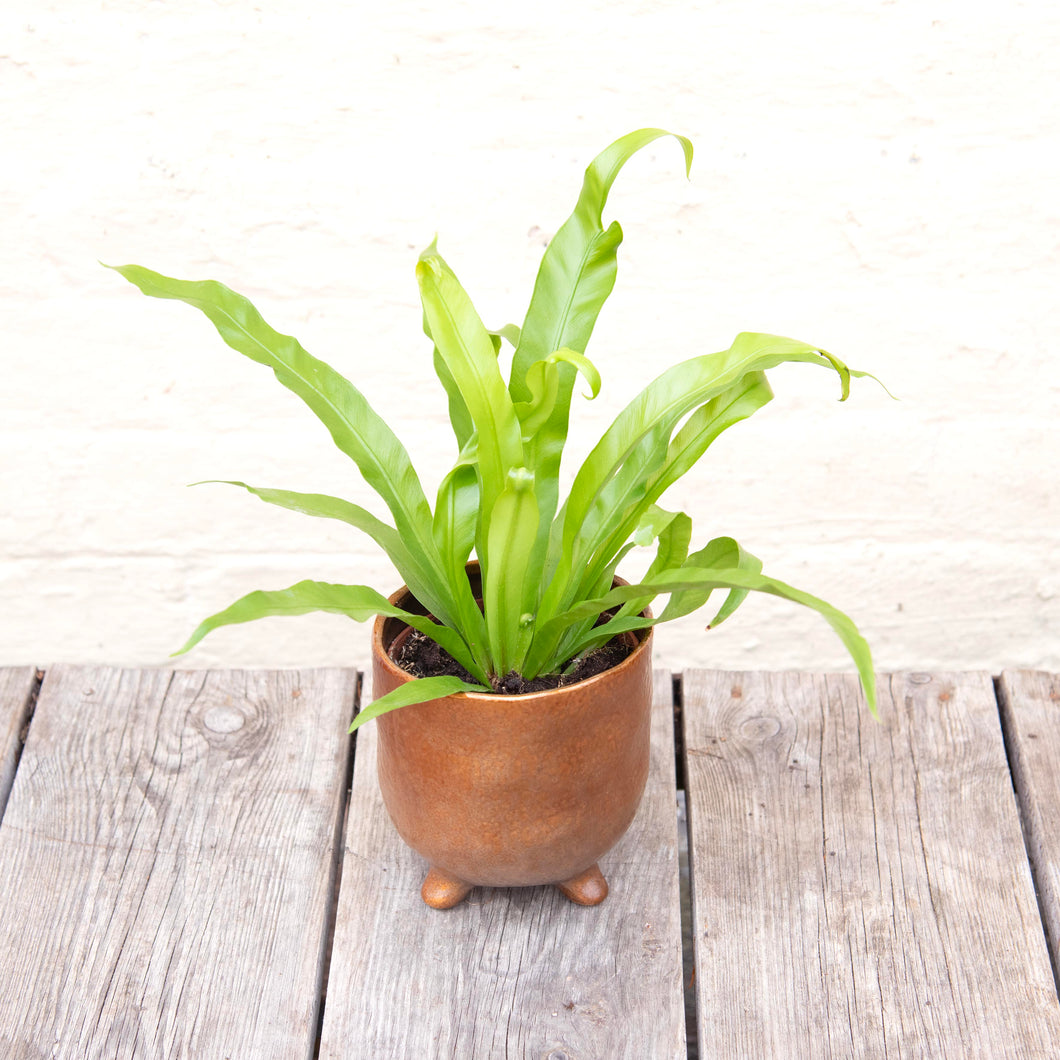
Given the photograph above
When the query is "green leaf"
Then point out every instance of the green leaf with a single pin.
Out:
(578, 267)
(459, 417)
(671, 554)
(698, 579)
(456, 513)
(359, 602)
(735, 403)
(321, 506)
(634, 461)
(686, 447)
(543, 381)
(353, 424)
(721, 553)
(745, 561)
(673, 531)
(455, 519)
(582, 363)
(422, 690)
(464, 345)
(509, 332)
(576, 275)
(508, 595)
(655, 522)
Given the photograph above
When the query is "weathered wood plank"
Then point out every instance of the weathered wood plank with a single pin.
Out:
(860, 888)
(1030, 713)
(16, 687)
(167, 862)
(509, 973)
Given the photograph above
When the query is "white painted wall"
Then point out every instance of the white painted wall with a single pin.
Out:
(876, 177)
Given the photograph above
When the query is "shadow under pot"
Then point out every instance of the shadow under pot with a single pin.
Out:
(514, 790)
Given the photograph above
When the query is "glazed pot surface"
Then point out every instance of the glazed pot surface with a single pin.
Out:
(501, 790)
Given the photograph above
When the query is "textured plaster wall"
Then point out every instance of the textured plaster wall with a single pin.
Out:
(876, 177)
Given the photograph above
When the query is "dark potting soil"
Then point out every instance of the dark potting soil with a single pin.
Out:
(422, 657)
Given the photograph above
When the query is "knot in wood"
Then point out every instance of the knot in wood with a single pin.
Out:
(760, 727)
(224, 719)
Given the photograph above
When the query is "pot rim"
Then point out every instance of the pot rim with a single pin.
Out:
(382, 657)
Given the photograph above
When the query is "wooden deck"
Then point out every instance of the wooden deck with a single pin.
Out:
(198, 865)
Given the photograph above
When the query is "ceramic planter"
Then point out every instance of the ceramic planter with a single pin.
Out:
(502, 791)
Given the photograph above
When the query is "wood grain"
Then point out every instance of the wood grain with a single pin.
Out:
(860, 889)
(16, 687)
(166, 863)
(509, 973)
(1030, 712)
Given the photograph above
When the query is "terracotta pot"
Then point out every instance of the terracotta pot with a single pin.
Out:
(502, 791)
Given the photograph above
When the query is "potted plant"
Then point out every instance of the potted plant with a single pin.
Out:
(513, 690)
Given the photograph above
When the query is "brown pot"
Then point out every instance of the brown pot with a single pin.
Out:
(502, 791)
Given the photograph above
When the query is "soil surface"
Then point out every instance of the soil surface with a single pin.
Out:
(421, 657)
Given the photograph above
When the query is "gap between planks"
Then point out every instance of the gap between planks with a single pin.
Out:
(19, 689)
(338, 852)
(1029, 703)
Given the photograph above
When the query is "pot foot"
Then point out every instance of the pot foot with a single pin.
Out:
(587, 888)
(442, 891)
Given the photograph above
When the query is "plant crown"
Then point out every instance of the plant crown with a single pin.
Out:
(547, 567)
